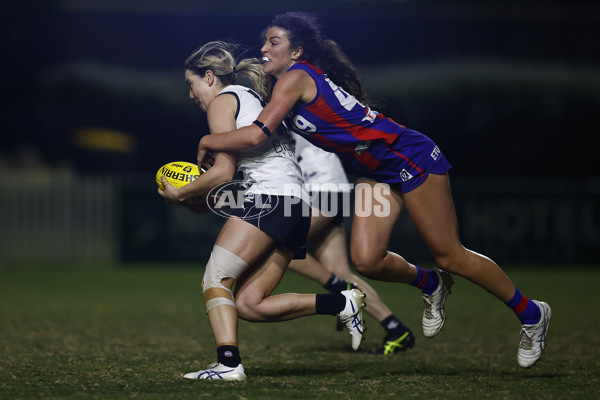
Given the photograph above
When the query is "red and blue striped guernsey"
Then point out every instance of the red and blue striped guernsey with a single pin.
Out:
(337, 122)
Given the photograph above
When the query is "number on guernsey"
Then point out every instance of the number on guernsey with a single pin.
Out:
(303, 124)
(347, 101)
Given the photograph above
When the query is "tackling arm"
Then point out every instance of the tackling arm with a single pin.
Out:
(289, 89)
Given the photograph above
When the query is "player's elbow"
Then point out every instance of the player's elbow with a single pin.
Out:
(256, 139)
(222, 174)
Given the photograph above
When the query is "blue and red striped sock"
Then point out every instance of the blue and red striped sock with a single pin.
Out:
(426, 280)
(526, 310)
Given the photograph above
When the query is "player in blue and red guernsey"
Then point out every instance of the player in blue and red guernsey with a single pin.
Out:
(376, 146)
(319, 91)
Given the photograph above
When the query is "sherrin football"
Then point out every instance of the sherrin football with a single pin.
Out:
(178, 173)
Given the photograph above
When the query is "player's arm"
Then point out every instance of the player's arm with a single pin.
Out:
(287, 92)
(221, 118)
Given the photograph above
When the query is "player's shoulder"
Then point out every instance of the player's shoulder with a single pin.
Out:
(296, 83)
(225, 102)
(293, 77)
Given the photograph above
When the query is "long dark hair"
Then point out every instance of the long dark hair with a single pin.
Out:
(303, 30)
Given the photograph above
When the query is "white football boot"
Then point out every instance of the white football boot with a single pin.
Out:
(434, 313)
(219, 371)
(533, 337)
(352, 316)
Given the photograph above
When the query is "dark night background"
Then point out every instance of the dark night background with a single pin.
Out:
(506, 88)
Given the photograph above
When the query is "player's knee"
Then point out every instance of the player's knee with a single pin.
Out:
(243, 307)
(244, 312)
(451, 262)
(248, 307)
(443, 262)
(222, 265)
(248, 313)
(366, 261)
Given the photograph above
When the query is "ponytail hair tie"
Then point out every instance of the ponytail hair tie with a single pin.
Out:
(234, 70)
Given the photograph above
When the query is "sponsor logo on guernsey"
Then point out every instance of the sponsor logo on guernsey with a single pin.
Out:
(435, 153)
(370, 115)
(405, 175)
(361, 147)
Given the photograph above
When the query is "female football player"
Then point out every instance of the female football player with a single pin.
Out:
(330, 192)
(318, 87)
(260, 238)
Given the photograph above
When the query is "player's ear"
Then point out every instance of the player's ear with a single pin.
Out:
(297, 54)
(209, 76)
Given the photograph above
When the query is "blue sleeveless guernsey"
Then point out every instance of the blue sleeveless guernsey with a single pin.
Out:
(377, 147)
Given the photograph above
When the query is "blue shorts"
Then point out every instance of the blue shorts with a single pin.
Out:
(409, 160)
(285, 218)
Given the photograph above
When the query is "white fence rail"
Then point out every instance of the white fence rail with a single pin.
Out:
(57, 217)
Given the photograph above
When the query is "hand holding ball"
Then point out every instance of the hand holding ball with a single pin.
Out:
(178, 173)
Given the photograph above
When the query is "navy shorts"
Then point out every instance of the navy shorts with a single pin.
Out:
(409, 161)
(286, 218)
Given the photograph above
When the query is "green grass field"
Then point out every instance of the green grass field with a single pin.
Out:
(130, 333)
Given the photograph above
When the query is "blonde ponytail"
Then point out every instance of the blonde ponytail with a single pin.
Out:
(217, 56)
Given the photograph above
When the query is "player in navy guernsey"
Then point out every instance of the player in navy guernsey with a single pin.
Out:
(318, 88)
(257, 241)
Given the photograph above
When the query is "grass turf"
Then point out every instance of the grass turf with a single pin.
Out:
(122, 333)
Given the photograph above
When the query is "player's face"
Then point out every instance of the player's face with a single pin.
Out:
(278, 56)
(200, 91)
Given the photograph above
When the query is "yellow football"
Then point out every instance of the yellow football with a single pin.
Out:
(178, 173)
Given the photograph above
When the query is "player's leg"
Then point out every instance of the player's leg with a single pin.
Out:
(431, 209)
(310, 268)
(238, 245)
(254, 289)
(330, 247)
(256, 303)
(370, 236)
(288, 225)
(228, 261)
